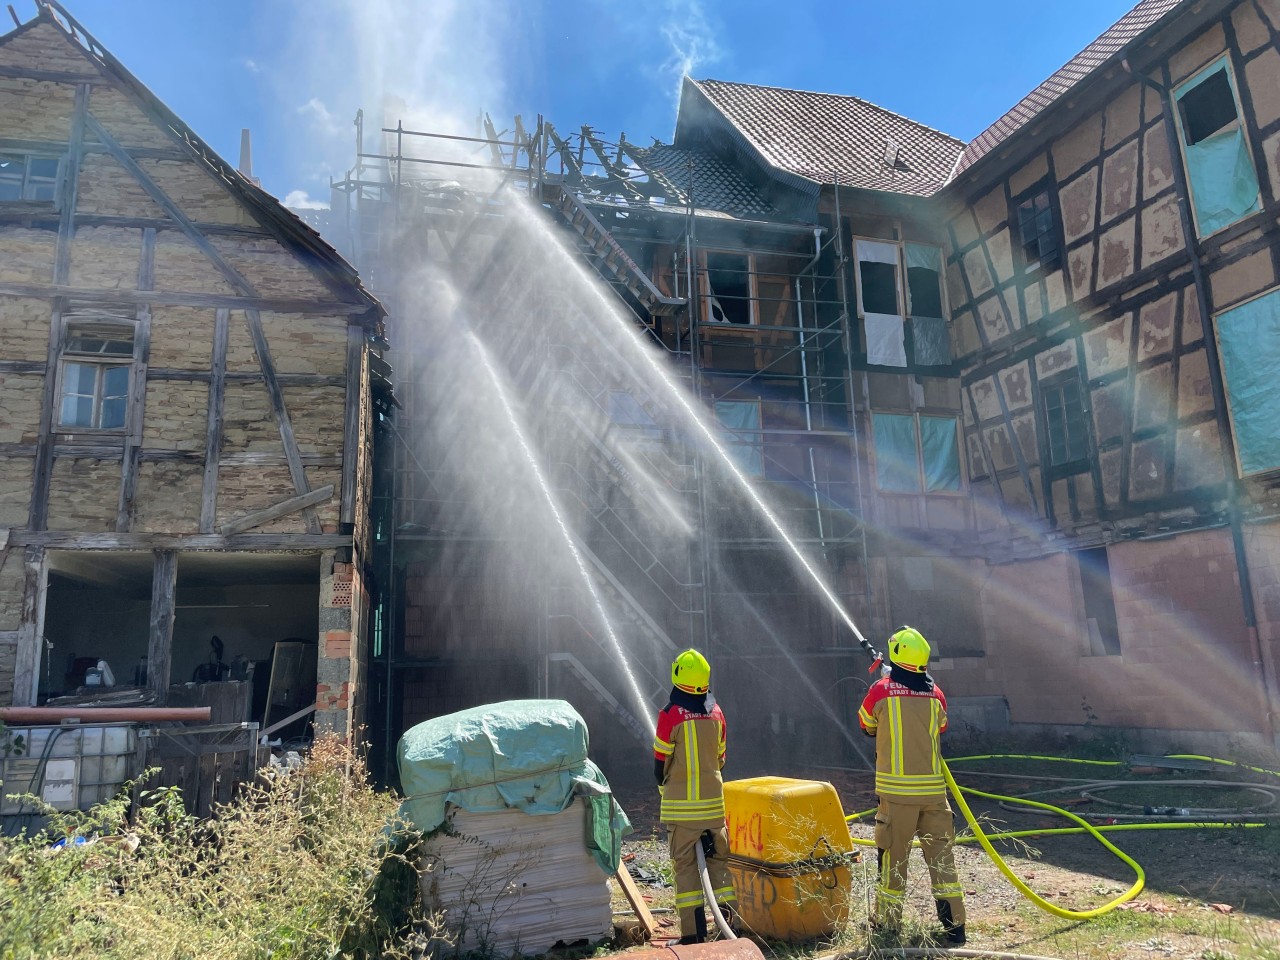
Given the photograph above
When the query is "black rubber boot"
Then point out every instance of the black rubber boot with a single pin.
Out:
(955, 936)
(952, 932)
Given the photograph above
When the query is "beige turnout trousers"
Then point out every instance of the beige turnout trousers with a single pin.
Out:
(683, 841)
(898, 822)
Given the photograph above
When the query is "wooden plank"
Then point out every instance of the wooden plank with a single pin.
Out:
(26, 668)
(69, 186)
(278, 510)
(232, 302)
(233, 376)
(296, 471)
(636, 899)
(164, 581)
(23, 366)
(63, 540)
(137, 387)
(59, 147)
(39, 511)
(352, 409)
(213, 430)
(52, 76)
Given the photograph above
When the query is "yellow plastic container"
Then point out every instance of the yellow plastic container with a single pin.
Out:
(790, 856)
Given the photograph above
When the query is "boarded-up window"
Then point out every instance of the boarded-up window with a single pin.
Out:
(1249, 348)
(740, 429)
(1224, 184)
(916, 453)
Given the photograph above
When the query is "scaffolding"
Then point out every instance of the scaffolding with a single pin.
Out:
(749, 313)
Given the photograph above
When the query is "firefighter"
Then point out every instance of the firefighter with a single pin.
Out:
(906, 712)
(689, 750)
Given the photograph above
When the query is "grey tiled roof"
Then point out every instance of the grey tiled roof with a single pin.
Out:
(819, 136)
(1134, 23)
(716, 185)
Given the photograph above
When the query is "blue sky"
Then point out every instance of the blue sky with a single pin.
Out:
(294, 71)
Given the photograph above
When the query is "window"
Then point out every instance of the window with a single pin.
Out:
(1066, 427)
(27, 177)
(930, 340)
(1249, 350)
(1099, 601)
(729, 298)
(741, 434)
(95, 365)
(878, 299)
(888, 295)
(626, 412)
(1037, 231)
(1224, 185)
(916, 453)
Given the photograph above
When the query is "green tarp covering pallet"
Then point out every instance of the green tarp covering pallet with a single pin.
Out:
(527, 755)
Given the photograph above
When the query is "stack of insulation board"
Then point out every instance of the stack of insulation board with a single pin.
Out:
(510, 882)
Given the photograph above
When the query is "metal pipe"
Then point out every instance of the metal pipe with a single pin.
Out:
(47, 715)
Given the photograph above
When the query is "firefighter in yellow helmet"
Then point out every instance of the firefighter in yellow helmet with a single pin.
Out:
(906, 712)
(689, 750)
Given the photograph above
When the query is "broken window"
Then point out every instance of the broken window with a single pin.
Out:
(1099, 601)
(1249, 349)
(25, 176)
(1224, 185)
(916, 453)
(740, 423)
(878, 298)
(1038, 231)
(729, 297)
(94, 375)
(1066, 427)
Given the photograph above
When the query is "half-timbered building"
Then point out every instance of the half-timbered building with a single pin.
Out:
(185, 411)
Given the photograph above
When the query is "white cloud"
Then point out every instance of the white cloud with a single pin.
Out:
(252, 65)
(301, 200)
(321, 117)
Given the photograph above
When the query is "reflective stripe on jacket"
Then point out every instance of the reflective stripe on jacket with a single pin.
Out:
(692, 748)
(906, 724)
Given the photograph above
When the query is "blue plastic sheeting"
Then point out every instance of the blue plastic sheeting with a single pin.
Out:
(1249, 344)
(931, 343)
(1224, 186)
(923, 255)
(897, 469)
(528, 755)
(743, 446)
(940, 453)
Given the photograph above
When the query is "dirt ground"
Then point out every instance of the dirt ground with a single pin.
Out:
(1210, 894)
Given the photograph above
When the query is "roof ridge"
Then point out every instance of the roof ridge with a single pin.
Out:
(842, 96)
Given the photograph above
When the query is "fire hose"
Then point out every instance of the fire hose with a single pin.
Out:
(984, 840)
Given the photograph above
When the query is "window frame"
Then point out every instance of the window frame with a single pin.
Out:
(1201, 74)
(86, 320)
(707, 294)
(1070, 467)
(961, 471)
(906, 310)
(27, 156)
(1039, 268)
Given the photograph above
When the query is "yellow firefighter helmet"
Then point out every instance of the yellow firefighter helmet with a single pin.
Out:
(690, 672)
(909, 649)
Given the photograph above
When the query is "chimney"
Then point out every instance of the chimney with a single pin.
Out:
(246, 157)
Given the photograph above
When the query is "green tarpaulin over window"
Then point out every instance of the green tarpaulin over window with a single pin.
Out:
(1249, 344)
(1223, 184)
(742, 436)
(940, 453)
(897, 469)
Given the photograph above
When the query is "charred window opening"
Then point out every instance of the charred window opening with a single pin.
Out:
(96, 361)
(1066, 427)
(24, 176)
(1099, 601)
(1207, 108)
(729, 288)
(879, 287)
(1038, 232)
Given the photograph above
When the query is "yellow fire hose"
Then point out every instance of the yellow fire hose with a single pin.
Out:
(1096, 832)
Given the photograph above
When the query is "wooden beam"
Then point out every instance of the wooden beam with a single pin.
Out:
(52, 76)
(39, 511)
(213, 428)
(284, 542)
(98, 295)
(26, 668)
(233, 376)
(69, 187)
(137, 387)
(23, 366)
(164, 582)
(278, 510)
(239, 283)
(636, 899)
(352, 410)
(45, 215)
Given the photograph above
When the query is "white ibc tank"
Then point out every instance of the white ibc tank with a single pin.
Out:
(508, 882)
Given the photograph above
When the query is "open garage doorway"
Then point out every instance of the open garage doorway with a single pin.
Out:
(245, 631)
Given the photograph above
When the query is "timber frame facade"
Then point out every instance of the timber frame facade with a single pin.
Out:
(1002, 390)
(186, 405)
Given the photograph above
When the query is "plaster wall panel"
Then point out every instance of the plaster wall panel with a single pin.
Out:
(168, 497)
(1161, 230)
(1157, 167)
(1242, 279)
(1078, 146)
(1115, 253)
(1106, 348)
(1155, 327)
(1079, 207)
